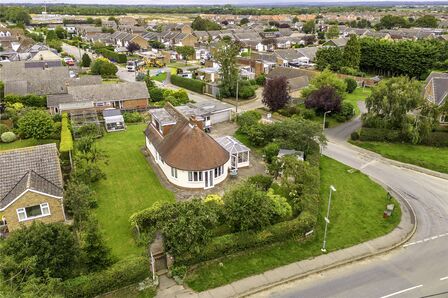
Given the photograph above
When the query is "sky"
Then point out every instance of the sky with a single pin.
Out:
(199, 2)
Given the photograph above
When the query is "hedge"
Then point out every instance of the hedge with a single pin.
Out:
(66, 135)
(190, 84)
(30, 100)
(111, 55)
(123, 273)
(436, 139)
(231, 243)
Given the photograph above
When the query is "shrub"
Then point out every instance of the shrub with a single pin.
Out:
(260, 134)
(3, 128)
(156, 94)
(281, 209)
(436, 139)
(179, 271)
(354, 136)
(132, 117)
(346, 113)
(36, 124)
(8, 137)
(66, 135)
(247, 208)
(248, 119)
(89, 130)
(260, 80)
(119, 275)
(309, 114)
(30, 100)
(324, 99)
(85, 60)
(381, 135)
(270, 151)
(103, 67)
(262, 182)
(246, 92)
(190, 84)
(289, 111)
(351, 85)
(147, 218)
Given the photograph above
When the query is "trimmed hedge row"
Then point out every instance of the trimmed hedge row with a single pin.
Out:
(231, 243)
(123, 273)
(30, 100)
(190, 84)
(436, 138)
(111, 55)
(66, 135)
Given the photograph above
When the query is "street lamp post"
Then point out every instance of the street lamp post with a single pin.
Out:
(325, 115)
(327, 220)
(237, 85)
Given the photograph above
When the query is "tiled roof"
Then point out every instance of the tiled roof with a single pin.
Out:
(34, 167)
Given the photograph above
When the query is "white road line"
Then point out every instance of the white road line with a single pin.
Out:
(402, 291)
(443, 278)
(425, 240)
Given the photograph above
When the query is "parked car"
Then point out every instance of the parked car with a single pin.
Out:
(69, 61)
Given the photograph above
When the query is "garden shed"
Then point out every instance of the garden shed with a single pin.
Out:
(113, 120)
(239, 153)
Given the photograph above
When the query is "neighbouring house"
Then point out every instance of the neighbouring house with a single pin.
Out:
(31, 187)
(339, 42)
(40, 78)
(297, 78)
(125, 96)
(113, 120)
(436, 91)
(239, 153)
(187, 156)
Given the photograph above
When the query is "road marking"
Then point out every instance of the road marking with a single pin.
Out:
(425, 240)
(367, 164)
(443, 278)
(402, 291)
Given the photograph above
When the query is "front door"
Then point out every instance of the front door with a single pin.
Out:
(208, 179)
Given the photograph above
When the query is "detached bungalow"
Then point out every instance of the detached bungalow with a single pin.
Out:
(31, 187)
(436, 91)
(99, 97)
(188, 157)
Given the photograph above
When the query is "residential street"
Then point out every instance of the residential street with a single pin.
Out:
(419, 269)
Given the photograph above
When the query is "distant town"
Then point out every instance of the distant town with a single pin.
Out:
(224, 150)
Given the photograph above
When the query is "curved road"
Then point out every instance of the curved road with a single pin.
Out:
(419, 268)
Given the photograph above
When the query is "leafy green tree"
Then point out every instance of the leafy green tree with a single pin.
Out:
(85, 60)
(391, 21)
(78, 199)
(244, 21)
(186, 226)
(226, 58)
(51, 35)
(50, 249)
(36, 124)
(247, 208)
(309, 27)
(95, 254)
(275, 93)
(333, 32)
(248, 119)
(351, 85)
(103, 67)
(201, 24)
(155, 44)
(186, 52)
(427, 21)
(325, 79)
(391, 101)
(60, 32)
(17, 14)
(352, 53)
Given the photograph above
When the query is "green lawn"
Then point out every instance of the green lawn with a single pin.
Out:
(357, 95)
(432, 158)
(356, 216)
(160, 77)
(25, 143)
(131, 186)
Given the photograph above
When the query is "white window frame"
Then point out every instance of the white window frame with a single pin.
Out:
(22, 211)
(173, 172)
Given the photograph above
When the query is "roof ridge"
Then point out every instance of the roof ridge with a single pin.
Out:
(46, 180)
(15, 185)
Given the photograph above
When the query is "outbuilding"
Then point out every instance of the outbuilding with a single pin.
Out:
(239, 153)
(113, 120)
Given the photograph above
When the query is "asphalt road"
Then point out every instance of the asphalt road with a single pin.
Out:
(419, 268)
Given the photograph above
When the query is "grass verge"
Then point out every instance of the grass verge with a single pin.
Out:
(131, 186)
(355, 218)
(360, 94)
(432, 158)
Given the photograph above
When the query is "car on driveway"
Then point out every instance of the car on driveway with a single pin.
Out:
(69, 61)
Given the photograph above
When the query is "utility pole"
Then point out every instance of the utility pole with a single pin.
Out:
(327, 220)
(323, 124)
(237, 86)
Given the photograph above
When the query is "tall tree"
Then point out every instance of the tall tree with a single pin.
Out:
(352, 53)
(96, 255)
(226, 57)
(85, 60)
(333, 32)
(329, 57)
(133, 47)
(427, 21)
(325, 79)
(309, 27)
(323, 100)
(186, 52)
(275, 93)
